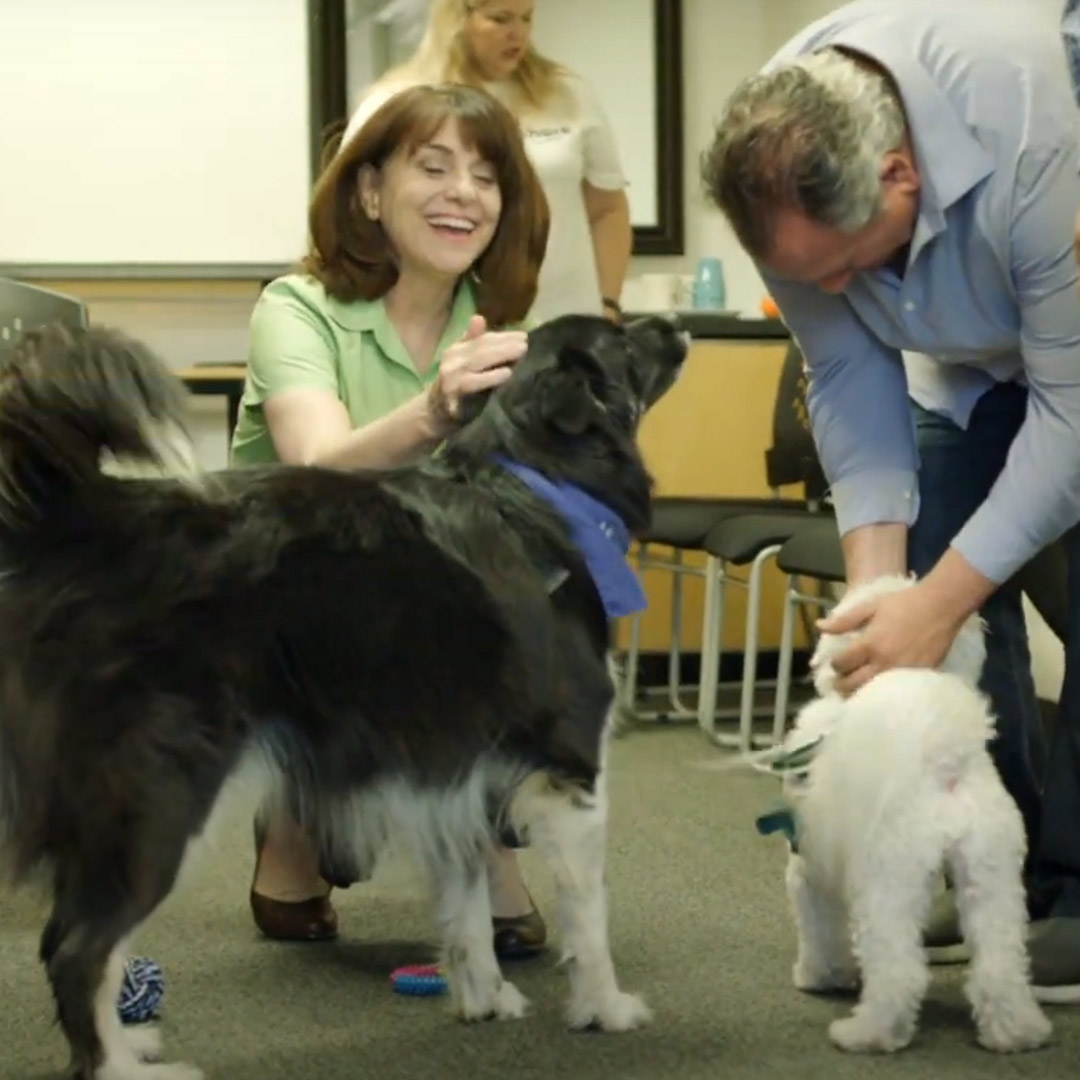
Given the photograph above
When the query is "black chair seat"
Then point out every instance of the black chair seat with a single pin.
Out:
(814, 550)
(740, 539)
(684, 521)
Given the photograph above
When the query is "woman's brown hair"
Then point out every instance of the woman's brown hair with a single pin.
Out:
(351, 255)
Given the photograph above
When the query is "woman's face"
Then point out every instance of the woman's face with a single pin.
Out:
(438, 205)
(497, 33)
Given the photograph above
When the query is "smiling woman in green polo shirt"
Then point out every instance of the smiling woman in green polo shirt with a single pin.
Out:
(427, 234)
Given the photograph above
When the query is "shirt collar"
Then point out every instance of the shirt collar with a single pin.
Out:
(370, 316)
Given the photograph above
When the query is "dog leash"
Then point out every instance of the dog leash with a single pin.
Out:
(781, 815)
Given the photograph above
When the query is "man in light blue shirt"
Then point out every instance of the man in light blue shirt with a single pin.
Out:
(1070, 34)
(906, 177)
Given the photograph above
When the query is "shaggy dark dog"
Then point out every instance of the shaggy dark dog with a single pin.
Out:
(421, 652)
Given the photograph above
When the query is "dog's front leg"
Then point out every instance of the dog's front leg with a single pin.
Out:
(463, 914)
(569, 829)
(824, 962)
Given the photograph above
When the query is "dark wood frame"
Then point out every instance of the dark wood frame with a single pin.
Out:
(326, 49)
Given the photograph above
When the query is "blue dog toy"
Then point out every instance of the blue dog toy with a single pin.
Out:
(419, 980)
(141, 991)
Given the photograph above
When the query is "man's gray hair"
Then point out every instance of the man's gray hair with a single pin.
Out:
(808, 136)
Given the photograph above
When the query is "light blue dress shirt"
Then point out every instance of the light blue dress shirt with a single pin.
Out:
(1070, 34)
(990, 292)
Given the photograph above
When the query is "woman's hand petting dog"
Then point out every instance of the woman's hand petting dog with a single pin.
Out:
(481, 360)
(905, 629)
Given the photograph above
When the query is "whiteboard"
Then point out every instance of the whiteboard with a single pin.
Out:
(141, 135)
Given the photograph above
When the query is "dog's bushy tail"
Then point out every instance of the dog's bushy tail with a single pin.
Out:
(74, 406)
(907, 735)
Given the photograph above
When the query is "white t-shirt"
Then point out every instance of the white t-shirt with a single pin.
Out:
(566, 147)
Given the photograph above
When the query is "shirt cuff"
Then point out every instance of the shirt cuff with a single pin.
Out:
(875, 497)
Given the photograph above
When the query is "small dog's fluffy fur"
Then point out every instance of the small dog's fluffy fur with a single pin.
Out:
(901, 787)
(389, 650)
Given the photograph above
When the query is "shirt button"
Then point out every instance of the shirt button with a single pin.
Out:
(909, 305)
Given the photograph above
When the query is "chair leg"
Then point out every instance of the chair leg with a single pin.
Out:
(630, 665)
(712, 632)
(674, 687)
(750, 646)
(787, 645)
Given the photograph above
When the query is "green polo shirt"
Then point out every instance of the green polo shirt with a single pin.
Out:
(301, 337)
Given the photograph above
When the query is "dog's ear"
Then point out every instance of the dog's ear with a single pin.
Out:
(568, 399)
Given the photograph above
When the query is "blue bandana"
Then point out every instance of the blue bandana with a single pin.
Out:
(598, 533)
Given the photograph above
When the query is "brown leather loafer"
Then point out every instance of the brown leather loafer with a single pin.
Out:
(519, 936)
(301, 920)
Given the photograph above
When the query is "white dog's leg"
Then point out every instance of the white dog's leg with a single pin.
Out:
(825, 961)
(569, 828)
(463, 914)
(987, 868)
(889, 905)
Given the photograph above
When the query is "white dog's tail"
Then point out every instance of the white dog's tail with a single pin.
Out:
(958, 732)
(907, 732)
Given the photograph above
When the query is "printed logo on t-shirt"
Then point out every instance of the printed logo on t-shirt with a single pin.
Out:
(546, 132)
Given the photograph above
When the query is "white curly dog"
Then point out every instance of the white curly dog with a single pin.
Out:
(899, 788)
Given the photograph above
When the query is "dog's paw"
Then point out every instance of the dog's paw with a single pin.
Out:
(143, 1071)
(178, 1070)
(1014, 1032)
(144, 1040)
(817, 980)
(620, 1012)
(507, 1002)
(859, 1036)
(510, 1003)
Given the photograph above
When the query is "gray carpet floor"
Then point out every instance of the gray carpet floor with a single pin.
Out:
(699, 925)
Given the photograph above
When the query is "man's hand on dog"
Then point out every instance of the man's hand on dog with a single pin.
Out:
(481, 360)
(906, 629)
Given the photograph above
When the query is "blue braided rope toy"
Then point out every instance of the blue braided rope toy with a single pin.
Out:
(141, 991)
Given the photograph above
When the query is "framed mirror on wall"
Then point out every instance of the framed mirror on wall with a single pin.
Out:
(629, 50)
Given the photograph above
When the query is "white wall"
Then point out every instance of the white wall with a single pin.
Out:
(724, 41)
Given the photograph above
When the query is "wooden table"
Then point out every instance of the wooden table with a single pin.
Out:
(221, 380)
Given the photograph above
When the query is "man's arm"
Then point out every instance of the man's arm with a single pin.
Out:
(1037, 496)
(872, 551)
(861, 419)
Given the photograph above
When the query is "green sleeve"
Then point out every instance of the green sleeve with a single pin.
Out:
(291, 344)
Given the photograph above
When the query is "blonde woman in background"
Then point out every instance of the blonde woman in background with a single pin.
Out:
(487, 43)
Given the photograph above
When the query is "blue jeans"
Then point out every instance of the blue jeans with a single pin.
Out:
(957, 469)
